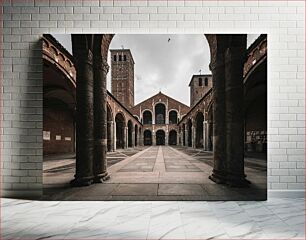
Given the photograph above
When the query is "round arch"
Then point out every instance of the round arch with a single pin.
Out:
(172, 137)
(160, 137)
(130, 133)
(120, 130)
(147, 116)
(189, 131)
(147, 137)
(160, 113)
(136, 135)
(173, 116)
(199, 138)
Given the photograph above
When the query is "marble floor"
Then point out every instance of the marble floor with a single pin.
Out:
(154, 173)
(272, 219)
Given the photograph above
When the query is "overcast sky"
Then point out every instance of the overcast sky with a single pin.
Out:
(162, 65)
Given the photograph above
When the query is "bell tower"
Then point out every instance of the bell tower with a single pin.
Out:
(122, 76)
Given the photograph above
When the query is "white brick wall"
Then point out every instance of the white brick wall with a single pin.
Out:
(24, 21)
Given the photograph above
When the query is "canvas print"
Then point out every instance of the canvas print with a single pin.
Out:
(154, 116)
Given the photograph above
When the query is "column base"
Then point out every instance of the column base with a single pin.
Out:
(239, 181)
(218, 176)
(81, 182)
(101, 177)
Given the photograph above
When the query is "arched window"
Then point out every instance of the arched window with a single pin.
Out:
(206, 82)
(124, 57)
(160, 113)
(172, 117)
(115, 58)
(147, 117)
(200, 82)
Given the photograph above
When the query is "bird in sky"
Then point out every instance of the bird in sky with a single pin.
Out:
(169, 39)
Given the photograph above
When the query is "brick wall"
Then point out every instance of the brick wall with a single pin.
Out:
(26, 20)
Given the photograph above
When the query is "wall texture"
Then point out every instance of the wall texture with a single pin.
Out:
(24, 21)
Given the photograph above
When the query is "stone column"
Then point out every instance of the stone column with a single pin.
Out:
(153, 139)
(234, 63)
(84, 111)
(125, 137)
(133, 137)
(100, 112)
(178, 138)
(204, 135)
(115, 136)
(186, 137)
(166, 137)
(218, 95)
(111, 136)
(193, 136)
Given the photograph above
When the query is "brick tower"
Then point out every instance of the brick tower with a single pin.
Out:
(199, 85)
(122, 81)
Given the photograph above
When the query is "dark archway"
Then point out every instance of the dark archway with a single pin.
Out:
(120, 128)
(255, 96)
(130, 133)
(147, 138)
(160, 113)
(184, 136)
(147, 117)
(136, 135)
(109, 128)
(173, 117)
(189, 130)
(199, 141)
(160, 137)
(172, 137)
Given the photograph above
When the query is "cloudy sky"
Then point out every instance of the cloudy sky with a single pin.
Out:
(162, 65)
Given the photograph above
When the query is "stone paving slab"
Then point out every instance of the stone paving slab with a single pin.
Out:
(181, 189)
(136, 189)
(158, 173)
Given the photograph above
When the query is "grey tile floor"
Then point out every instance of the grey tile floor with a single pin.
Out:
(272, 219)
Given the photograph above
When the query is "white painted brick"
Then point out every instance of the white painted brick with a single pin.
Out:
(197, 17)
(48, 10)
(287, 179)
(140, 17)
(166, 9)
(147, 9)
(130, 24)
(148, 24)
(158, 17)
(129, 10)
(138, 3)
(176, 17)
(185, 9)
(112, 10)
(157, 3)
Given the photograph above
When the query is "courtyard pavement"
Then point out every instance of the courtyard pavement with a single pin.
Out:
(155, 173)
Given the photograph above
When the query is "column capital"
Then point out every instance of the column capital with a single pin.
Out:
(101, 63)
(84, 57)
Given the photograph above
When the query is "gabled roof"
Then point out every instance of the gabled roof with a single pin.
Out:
(161, 94)
(115, 99)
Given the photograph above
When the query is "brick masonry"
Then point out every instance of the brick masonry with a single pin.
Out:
(24, 22)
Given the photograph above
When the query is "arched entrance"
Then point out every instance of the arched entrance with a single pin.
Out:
(199, 130)
(173, 137)
(160, 113)
(160, 137)
(147, 117)
(130, 134)
(147, 138)
(172, 117)
(189, 130)
(120, 128)
(109, 128)
(136, 135)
